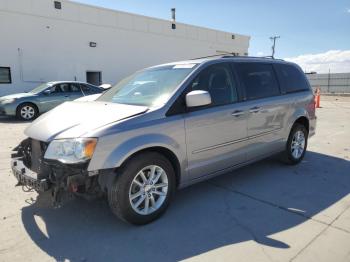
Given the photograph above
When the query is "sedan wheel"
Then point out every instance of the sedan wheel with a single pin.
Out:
(27, 112)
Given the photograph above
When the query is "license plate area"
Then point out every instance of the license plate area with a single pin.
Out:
(27, 177)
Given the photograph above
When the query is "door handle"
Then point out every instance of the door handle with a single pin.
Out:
(66, 96)
(254, 109)
(237, 113)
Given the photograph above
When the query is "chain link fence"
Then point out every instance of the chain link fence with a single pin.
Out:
(330, 83)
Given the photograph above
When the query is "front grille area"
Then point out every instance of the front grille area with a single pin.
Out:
(33, 154)
(36, 155)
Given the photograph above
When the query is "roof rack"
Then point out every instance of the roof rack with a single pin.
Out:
(221, 55)
(233, 55)
(253, 57)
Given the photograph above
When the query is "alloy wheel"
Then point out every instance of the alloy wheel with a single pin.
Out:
(298, 144)
(148, 190)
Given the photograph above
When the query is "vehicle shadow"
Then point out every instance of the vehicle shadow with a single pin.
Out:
(12, 120)
(226, 210)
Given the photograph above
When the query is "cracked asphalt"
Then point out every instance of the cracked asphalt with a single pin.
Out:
(263, 212)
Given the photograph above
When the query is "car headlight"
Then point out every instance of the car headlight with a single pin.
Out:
(8, 101)
(71, 151)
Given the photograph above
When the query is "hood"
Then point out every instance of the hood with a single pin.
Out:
(19, 95)
(74, 119)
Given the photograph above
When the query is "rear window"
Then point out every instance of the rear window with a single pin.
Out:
(259, 80)
(290, 78)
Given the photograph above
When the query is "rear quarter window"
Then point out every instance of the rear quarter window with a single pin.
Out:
(291, 78)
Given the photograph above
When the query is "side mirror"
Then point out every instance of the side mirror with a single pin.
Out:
(47, 92)
(198, 98)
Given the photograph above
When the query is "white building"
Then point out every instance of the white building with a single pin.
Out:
(45, 40)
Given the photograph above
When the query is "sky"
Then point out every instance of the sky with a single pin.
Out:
(315, 34)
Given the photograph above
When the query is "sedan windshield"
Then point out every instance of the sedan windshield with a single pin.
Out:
(40, 88)
(149, 87)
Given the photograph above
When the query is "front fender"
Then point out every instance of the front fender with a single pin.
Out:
(116, 157)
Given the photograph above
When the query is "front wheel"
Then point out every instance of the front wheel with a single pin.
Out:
(142, 189)
(27, 112)
(296, 145)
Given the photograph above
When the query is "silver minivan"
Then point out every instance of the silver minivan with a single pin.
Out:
(166, 127)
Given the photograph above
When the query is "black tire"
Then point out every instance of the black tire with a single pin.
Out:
(118, 193)
(288, 156)
(32, 112)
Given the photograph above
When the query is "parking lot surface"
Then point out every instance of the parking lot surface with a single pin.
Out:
(263, 212)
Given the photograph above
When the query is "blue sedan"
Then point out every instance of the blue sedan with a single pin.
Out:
(27, 106)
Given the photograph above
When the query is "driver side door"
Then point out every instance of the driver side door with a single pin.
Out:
(58, 94)
(215, 134)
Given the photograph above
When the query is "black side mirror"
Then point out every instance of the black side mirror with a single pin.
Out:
(47, 92)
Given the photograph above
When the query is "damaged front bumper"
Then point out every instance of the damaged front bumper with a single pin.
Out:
(27, 177)
(63, 181)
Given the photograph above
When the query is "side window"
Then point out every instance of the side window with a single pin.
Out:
(218, 81)
(86, 88)
(74, 88)
(56, 89)
(60, 88)
(258, 79)
(291, 78)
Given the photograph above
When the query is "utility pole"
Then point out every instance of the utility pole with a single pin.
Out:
(273, 38)
(329, 79)
(173, 23)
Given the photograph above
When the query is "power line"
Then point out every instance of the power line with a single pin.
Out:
(273, 39)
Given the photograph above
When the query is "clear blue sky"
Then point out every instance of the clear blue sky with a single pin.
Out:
(305, 27)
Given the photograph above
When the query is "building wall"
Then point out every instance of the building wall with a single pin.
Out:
(41, 43)
(330, 83)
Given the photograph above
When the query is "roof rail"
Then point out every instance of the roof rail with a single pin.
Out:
(254, 57)
(233, 55)
(267, 57)
(221, 55)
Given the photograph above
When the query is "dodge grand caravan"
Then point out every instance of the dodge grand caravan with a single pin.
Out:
(167, 127)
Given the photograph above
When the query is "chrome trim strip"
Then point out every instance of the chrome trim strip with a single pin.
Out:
(234, 141)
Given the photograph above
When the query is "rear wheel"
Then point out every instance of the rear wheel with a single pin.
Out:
(27, 112)
(143, 189)
(296, 145)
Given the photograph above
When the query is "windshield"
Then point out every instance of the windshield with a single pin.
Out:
(150, 87)
(40, 88)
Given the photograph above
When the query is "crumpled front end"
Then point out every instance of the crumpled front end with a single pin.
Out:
(61, 180)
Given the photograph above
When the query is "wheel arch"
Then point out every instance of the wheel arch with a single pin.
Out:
(303, 120)
(166, 152)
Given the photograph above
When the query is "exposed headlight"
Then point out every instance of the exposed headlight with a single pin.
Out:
(71, 151)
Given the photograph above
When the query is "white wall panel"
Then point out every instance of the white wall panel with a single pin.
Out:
(46, 44)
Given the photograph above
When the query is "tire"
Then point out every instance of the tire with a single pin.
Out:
(129, 182)
(296, 147)
(27, 112)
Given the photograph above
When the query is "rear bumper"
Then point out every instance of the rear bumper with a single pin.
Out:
(27, 177)
(312, 127)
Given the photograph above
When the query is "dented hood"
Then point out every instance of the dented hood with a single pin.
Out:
(74, 119)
